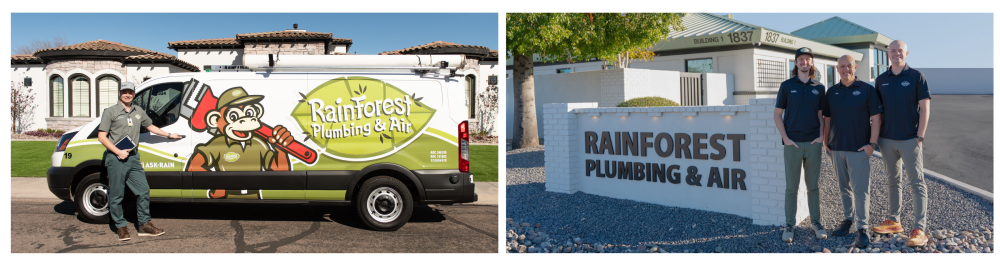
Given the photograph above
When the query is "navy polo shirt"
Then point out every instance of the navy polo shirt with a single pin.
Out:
(850, 109)
(900, 95)
(802, 103)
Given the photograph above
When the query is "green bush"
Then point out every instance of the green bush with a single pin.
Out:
(648, 102)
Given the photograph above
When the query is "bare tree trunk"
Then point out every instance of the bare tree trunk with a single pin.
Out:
(526, 126)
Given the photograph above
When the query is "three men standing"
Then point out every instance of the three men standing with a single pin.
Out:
(803, 97)
(906, 98)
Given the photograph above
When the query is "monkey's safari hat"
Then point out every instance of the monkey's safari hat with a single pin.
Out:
(236, 96)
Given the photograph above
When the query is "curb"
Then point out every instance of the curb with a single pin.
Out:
(961, 185)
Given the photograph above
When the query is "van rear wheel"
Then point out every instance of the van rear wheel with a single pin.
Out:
(384, 203)
(92, 199)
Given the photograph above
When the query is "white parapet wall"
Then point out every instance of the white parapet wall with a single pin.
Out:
(726, 159)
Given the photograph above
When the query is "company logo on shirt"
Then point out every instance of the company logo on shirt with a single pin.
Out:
(905, 83)
(886, 84)
(857, 93)
(231, 157)
(137, 116)
(794, 91)
(815, 92)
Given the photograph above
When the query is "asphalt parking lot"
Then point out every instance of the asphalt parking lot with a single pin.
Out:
(959, 139)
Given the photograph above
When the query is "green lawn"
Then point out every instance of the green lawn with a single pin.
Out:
(30, 158)
(483, 163)
(33, 159)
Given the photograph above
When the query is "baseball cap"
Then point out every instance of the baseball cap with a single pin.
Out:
(127, 85)
(804, 50)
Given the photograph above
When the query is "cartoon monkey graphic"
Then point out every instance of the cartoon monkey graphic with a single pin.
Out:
(235, 147)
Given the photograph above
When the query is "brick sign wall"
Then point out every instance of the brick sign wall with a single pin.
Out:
(718, 158)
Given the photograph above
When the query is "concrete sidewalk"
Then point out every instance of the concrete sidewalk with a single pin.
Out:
(38, 188)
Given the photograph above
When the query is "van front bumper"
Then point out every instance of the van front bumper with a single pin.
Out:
(447, 186)
(60, 181)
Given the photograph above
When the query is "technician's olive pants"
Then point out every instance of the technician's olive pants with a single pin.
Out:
(122, 173)
(810, 156)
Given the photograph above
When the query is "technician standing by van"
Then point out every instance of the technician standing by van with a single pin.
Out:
(907, 103)
(803, 97)
(120, 128)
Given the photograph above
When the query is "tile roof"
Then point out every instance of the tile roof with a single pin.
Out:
(24, 59)
(832, 27)
(205, 42)
(156, 57)
(291, 34)
(97, 45)
(432, 46)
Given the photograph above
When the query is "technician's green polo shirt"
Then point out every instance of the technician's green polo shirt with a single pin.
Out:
(118, 123)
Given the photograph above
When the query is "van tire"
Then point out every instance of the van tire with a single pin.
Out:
(92, 199)
(384, 203)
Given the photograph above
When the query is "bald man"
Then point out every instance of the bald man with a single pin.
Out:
(904, 93)
(850, 141)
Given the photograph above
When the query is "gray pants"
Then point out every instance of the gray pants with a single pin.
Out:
(896, 154)
(811, 156)
(853, 170)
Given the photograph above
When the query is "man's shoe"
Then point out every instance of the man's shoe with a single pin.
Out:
(863, 239)
(123, 234)
(888, 227)
(820, 231)
(149, 230)
(844, 228)
(788, 232)
(917, 238)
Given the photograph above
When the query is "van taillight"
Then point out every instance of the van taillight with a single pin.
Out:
(463, 146)
(64, 141)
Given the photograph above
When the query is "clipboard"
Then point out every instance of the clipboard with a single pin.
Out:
(125, 143)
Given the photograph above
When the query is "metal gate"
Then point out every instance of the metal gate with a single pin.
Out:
(692, 93)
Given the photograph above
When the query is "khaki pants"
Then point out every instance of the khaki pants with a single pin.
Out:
(853, 172)
(906, 153)
(810, 156)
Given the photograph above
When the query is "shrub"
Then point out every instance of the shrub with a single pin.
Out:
(648, 102)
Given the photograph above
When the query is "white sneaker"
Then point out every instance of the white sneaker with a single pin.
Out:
(820, 231)
(788, 234)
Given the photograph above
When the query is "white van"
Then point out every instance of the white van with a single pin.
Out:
(381, 131)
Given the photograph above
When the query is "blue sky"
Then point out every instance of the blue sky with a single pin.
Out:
(955, 40)
(371, 33)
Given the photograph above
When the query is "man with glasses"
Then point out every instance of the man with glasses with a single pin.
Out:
(850, 141)
(800, 126)
(120, 128)
(906, 98)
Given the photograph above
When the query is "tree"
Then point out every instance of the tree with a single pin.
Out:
(22, 107)
(614, 37)
(39, 44)
(489, 106)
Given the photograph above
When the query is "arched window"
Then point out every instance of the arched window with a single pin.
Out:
(56, 87)
(470, 95)
(107, 93)
(79, 96)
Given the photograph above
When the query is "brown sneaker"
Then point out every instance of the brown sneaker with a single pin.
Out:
(888, 227)
(917, 238)
(123, 234)
(149, 230)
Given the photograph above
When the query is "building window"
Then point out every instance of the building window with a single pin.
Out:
(470, 95)
(564, 70)
(880, 63)
(791, 68)
(56, 100)
(770, 73)
(107, 92)
(27, 81)
(79, 96)
(831, 76)
(698, 66)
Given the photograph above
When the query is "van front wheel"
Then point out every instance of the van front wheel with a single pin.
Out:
(92, 200)
(384, 203)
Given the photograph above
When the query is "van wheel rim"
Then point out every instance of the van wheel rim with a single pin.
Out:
(95, 199)
(384, 204)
